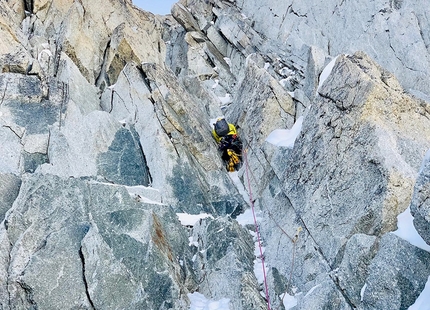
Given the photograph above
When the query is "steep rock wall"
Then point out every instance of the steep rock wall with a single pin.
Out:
(105, 118)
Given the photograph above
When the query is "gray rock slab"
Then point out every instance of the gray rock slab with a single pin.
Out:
(9, 189)
(352, 273)
(10, 152)
(420, 206)
(74, 241)
(224, 258)
(370, 28)
(344, 167)
(397, 275)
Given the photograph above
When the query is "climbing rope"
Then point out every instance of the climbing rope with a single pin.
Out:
(256, 229)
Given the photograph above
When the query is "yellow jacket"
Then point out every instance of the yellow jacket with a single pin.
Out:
(232, 131)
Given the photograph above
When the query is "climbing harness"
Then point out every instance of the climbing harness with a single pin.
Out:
(256, 229)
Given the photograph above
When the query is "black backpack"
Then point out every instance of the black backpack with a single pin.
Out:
(221, 127)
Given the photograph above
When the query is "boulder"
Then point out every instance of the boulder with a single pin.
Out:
(396, 276)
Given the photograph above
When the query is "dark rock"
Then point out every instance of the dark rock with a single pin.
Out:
(9, 188)
(94, 237)
(397, 275)
(420, 206)
(124, 162)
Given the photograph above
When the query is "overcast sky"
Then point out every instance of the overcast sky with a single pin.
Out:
(161, 7)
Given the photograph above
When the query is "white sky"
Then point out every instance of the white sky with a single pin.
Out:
(161, 7)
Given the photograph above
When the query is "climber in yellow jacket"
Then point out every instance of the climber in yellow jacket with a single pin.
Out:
(231, 132)
(225, 134)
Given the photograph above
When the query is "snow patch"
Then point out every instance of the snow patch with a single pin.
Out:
(258, 270)
(326, 72)
(284, 82)
(363, 289)
(226, 99)
(246, 218)
(190, 219)
(312, 289)
(193, 242)
(145, 194)
(228, 61)
(216, 83)
(200, 302)
(289, 301)
(286, 137)
(286, 72)
(406, 230)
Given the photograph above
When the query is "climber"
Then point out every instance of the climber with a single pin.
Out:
(225, 134)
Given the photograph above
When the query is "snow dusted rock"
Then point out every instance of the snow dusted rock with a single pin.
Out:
(352, 169)
(420, 207)
(396, 276)
(89, 244)
(370, 28)
(225, 257)
(96, 145)
(366, 125)
(175, 139)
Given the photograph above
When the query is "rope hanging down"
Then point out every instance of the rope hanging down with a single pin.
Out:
(257, 230)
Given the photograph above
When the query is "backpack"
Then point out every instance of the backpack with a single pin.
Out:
(221, 127)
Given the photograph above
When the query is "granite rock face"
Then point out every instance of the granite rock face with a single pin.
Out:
(99, 232)
(420, 208)
(106, 113)
(350, 173)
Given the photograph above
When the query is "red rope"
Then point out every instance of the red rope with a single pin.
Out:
(257, 231)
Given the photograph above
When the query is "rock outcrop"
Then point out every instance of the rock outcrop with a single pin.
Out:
(105, 135)
(420, 208)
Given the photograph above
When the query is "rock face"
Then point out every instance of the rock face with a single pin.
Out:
(420, 207)
(106, 113)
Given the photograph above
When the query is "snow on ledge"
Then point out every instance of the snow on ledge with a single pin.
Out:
(200, 302)
(286, 137)
(288, 301)
(406, 230)
(326, 72)
(191, 219)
